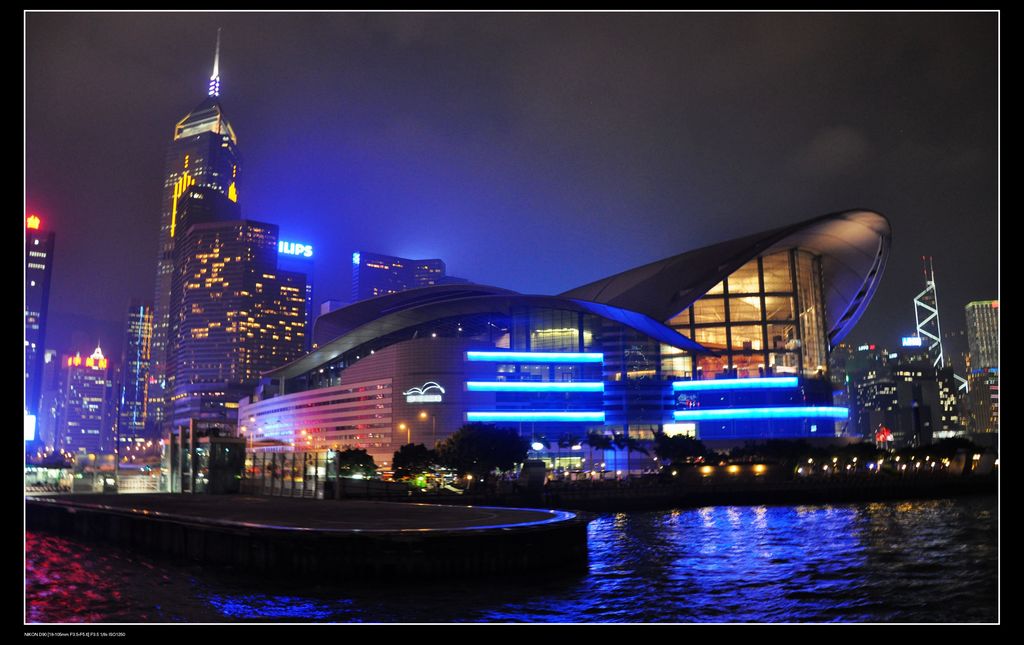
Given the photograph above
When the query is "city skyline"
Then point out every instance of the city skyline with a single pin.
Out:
(721, 346)
(446, 149)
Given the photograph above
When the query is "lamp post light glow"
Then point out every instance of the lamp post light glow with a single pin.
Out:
(433, 425)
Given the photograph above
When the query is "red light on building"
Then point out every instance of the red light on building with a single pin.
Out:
(871, 347)
(32, 221)
(995, 304)
(884, 434)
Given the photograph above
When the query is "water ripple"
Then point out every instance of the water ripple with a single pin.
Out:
(929, 561)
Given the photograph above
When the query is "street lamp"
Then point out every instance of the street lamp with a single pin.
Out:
(433, 426)
(402, 426)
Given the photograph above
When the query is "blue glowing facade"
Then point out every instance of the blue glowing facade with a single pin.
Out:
(729, 342)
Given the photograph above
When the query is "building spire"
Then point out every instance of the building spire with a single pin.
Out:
(215, 79)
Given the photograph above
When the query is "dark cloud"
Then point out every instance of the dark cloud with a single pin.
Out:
(833, 151)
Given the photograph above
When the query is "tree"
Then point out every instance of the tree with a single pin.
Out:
(355, 462)
(633, 445)
(479, 448)
(787, 452)
(620, 442)
(949, 447)
(678, 448)
(599, 441)
(411, 460)
(565, 441)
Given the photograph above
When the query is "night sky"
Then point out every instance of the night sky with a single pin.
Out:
(535, 152)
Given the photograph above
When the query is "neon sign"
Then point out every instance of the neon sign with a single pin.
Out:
(911, 341)
(294, 248)
(420, 394)
(32, 222)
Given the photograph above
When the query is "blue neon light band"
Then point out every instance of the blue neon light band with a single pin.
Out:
(736, 384)
(814, 412)
(536, 357)
(536, 416)
(534, 386)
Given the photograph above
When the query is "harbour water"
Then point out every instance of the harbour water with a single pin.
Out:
(920, 561)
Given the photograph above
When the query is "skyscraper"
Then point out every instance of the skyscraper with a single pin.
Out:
(38, 269)
(983, 394)
(203, 153)
(133, 391)
(85, 417)
(50, 402)
(983, 333)
(374, 274)
(298, 258)
(233, 314)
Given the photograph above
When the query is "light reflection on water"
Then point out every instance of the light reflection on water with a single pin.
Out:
(928, 561)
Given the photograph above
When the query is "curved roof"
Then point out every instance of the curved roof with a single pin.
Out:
(341, 321)
(367, 320)
(853, 246)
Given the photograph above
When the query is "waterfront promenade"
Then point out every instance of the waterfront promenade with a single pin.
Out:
(286, 536)
(654, 494)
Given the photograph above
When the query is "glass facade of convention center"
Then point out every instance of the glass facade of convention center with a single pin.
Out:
(765, 319)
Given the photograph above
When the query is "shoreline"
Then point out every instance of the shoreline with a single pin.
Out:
(610, 499)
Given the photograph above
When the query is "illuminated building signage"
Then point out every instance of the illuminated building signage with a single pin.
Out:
(294, 248)
(911, 341)
(355, 258)
(429, 392)
(32, 221)
(864, 348)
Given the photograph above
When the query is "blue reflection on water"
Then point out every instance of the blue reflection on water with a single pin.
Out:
(262, 606)
(927, 561)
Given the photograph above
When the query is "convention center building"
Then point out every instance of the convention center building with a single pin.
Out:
(728, 343)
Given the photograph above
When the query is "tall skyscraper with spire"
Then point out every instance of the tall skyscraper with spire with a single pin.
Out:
(203, 153)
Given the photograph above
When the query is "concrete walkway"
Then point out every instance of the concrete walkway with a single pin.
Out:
(312, 515)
